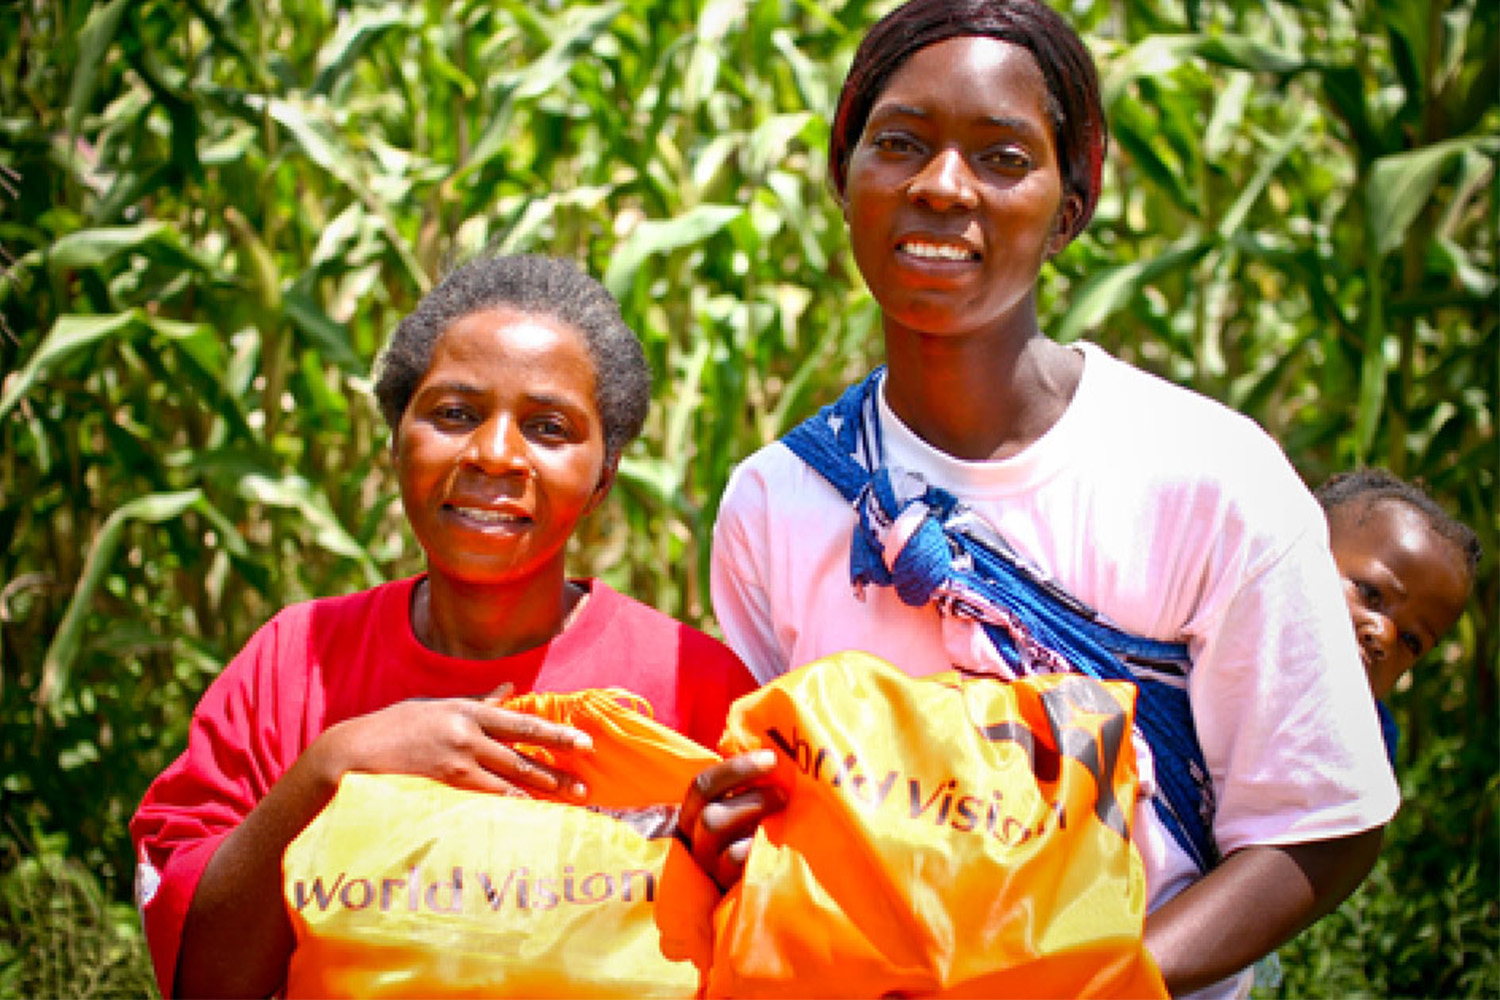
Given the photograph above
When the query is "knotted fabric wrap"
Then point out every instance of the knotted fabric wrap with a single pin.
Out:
(920, 540)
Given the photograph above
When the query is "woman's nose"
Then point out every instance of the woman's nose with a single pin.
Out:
(946, 182)
(498, 447)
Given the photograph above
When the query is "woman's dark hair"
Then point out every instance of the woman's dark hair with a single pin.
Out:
(544, 286)
(1355, 494)
(1074, 104)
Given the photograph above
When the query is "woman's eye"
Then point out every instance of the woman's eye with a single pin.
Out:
(1412, 643)
(1367, 593)
(1009, 159)
(452, 414)
(551, 428)
(890, 142)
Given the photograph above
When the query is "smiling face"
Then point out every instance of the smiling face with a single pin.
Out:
(954, 198)
(1405, 584)
(500, 451)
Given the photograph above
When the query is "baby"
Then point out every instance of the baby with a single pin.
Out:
(1408, 567)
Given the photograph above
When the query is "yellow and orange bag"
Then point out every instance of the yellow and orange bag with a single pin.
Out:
(405, 887)
(943, 837)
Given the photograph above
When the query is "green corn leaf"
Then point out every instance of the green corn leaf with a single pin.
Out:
(88, 248)
(1270, 163)
(585, 25)
(98, 35)
(1111, 289)
(329, 337)
(69, 335)
(293, 492)
(654, 237)
(63, 650)
(1160, 55)
(1401, 184)
(353, 38)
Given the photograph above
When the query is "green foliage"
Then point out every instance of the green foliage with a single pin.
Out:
(211, 214)
(1424, 923)
(60, 936)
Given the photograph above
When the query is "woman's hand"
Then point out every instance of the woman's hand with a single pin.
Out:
(237, 938)
(468, 743)
(723, 808)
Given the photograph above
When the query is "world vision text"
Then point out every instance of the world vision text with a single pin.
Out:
(517, 889)
(947, 803)
(942, 803)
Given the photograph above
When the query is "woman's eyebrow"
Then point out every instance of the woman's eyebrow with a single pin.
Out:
(453, 386)
(1023, 125)
(897, 111)
(560, 400)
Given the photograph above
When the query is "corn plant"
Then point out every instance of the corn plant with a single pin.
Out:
(212, 213)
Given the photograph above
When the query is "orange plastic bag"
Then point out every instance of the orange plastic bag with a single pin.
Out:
(405, 887)
(943, 837)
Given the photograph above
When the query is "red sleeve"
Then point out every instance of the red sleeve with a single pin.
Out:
(237, 748)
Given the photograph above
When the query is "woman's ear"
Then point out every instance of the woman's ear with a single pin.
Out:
(606, 482)
(1063, 226)
(395, 442)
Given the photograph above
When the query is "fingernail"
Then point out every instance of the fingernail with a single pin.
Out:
(578, 790)
(765, 758)
(583, 741)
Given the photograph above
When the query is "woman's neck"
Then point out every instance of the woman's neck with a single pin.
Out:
(980, 398)
(486, 621)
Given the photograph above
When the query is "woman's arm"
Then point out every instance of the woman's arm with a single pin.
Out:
(1256, 900)
(237, 939)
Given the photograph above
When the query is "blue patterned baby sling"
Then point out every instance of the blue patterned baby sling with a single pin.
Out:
(947, 556)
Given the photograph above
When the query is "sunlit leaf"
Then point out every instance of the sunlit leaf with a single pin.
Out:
(63, 649)
(296, 493)
(1401, 184)
(655, 237)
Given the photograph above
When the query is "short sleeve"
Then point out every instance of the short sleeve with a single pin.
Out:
(739, 599)
(235, 753)
(1283, 710)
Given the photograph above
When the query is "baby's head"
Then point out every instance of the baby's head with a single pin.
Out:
(1407, 567)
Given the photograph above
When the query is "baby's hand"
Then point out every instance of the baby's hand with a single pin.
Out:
(723, 808)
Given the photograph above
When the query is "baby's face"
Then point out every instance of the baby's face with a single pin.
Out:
(1406, 585)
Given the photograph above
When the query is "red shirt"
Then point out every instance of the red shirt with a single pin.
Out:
(318, 663)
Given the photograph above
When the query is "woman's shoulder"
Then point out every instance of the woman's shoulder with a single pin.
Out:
(606, 604)
(1199, 453)
(774, 481)
(353, 608)
(638, 624)
(1174, 420)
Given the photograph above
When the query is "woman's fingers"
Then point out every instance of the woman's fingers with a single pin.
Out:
(498, 753)
(517, 727)
(722, 810)
(497, 697)
(734, 775)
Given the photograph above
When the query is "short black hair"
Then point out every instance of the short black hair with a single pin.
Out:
(1358, 492)
(1073, 99)
(539, 286)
